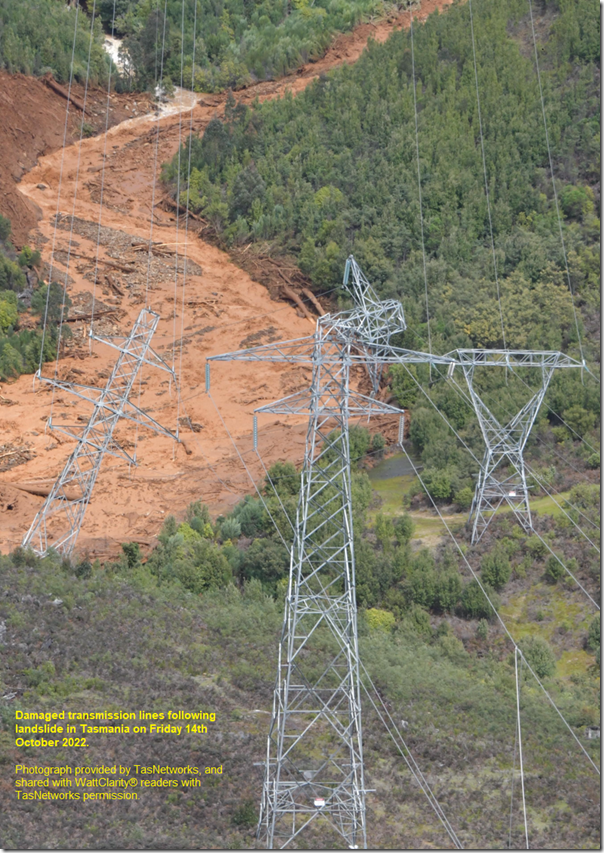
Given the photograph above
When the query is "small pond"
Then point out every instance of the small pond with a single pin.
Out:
(396, 465)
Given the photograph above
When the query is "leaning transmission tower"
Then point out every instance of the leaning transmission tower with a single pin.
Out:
(502, 477)
(314, 775)
(58, 522)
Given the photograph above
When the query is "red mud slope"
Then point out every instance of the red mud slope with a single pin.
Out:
(223, 309)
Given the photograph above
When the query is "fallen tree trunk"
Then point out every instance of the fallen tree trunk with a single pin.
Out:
(41, 491)
(312, 298)
(297, 301)
(113, 264)
(112, 284)
(52, 84)
(77, 317)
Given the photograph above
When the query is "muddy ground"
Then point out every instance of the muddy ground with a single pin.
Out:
(211, 306)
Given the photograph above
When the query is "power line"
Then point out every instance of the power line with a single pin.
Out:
(409, 759)
(498, 617)
(460, 439)
(419, 184)
(486, 180)
(551, 168)
(520, 742)
(56, 223)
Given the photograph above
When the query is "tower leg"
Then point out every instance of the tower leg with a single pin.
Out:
(314, 766)
(493, 491)
(57, 524)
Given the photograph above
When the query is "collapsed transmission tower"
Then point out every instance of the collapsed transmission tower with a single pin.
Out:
(502, 477)
(57, 524)
(314, 772)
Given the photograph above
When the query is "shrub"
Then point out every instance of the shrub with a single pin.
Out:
(230, 529)
(197, 510)
(384, 531)
(535, 547)
(593, 635)
(539, 655)
(464, 497)
(265, 560)
(251, 515)
(246, 814)
(593, 461)
(437, 483)
(283, 479)
(403, 529)
(420, 621)
(447, 590)
(580, 420)
(132, 553)
(482, 629)
(553, 570)
(452, 648)
(403, 385)
(378, 443)
(474, 604)
(379, 620)
(496, 569)
(83, 569)
(202, 567)
(5, 227)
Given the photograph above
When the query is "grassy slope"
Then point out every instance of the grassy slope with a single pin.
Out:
(120, 641)
(558, 614)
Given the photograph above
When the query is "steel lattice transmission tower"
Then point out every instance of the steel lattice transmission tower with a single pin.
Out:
(314, 764)
(57, 524)
(502, 477)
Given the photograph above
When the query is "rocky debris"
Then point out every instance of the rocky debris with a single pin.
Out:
(11, 455)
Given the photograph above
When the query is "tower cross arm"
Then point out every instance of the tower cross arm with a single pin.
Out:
(303, 351)
(111, 402)
(512, 358)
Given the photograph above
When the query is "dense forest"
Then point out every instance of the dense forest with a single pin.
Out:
(209, 46)
(334, 170)
(37, 36)
(236, 42)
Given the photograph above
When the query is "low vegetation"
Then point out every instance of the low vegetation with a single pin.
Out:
(26, 306)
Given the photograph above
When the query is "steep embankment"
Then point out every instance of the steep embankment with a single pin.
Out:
(221, 309)
(34, 125)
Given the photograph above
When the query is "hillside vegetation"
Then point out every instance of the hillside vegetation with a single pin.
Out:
(236, 43)
(37, 36)
(22, 288)
(232, 44)
(334, 170)
(196, 625)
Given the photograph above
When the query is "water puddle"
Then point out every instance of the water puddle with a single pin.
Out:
(394, 466)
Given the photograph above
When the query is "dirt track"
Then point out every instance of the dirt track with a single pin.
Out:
(223, 310)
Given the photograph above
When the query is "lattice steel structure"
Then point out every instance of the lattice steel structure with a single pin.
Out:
(314, 762)
(57, 523)
(502, 477)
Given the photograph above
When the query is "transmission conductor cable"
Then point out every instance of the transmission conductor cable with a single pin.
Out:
(551, 168)
(499, 619)
(460, 439)
(54, 233)
(419, 187)
(98, 237)
(73, 208)
(520, 742)
(486, 180)
(410, 760)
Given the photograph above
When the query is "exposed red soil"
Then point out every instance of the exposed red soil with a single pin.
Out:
(33, 125)
(224, 310)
